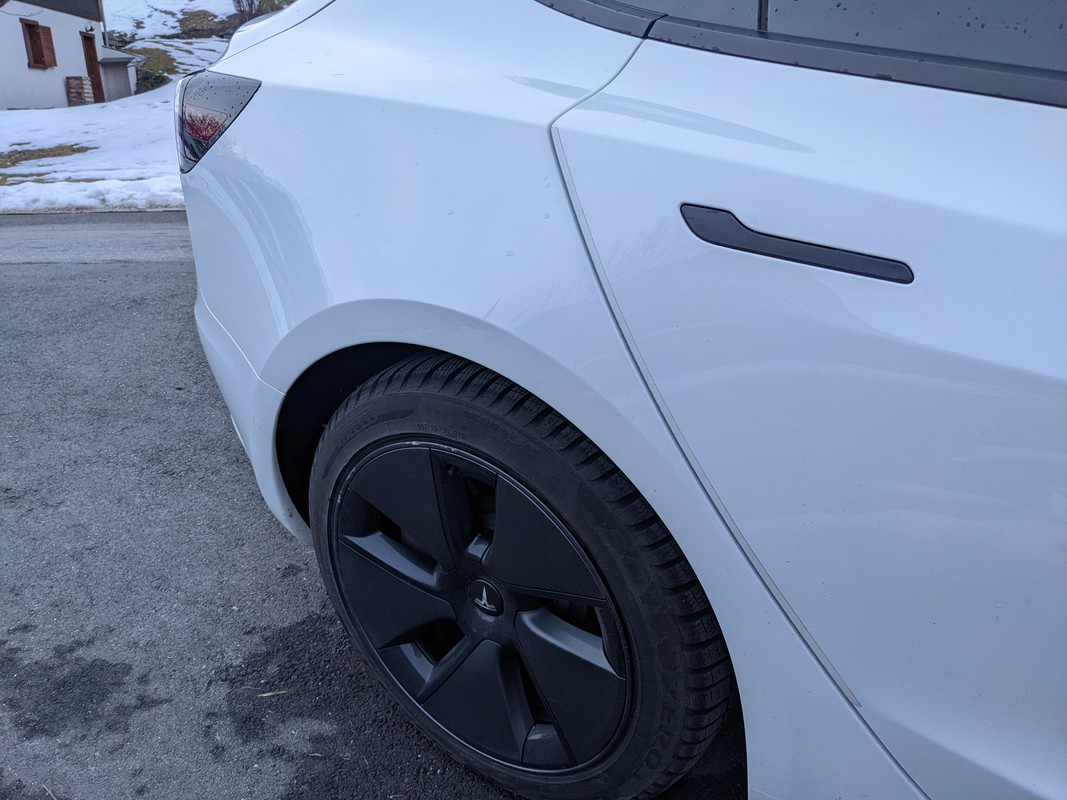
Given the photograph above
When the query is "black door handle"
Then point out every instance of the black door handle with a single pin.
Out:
(716, 226)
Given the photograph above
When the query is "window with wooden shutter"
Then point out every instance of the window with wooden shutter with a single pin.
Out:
(40, 51)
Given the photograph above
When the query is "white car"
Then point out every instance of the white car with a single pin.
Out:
(557, 325)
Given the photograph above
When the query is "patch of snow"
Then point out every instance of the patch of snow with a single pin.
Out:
(134, 164)
(159, 17)
(144, 194)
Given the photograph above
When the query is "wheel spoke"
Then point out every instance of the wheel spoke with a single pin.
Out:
(446, 668)
(530, 550)
(400, 484)
(455, 480)
(392, 594)
(579, 688)
(483, 702)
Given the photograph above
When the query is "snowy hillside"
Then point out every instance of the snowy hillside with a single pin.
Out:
(158, 17)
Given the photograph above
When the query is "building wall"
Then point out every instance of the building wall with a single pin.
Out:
(116, 79)
(22, 87)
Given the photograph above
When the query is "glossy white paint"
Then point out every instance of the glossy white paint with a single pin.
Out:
(254, 406)
(395, 179)
(895, 457)
(263, 28)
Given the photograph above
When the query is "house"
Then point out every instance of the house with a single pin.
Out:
(52, 54)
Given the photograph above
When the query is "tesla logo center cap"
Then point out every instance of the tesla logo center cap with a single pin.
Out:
(486, 597)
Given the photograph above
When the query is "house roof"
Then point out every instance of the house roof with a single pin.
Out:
(109, 56)
(86, 9)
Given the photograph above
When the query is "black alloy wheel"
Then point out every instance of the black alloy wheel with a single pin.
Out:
(480, 605)
(467, 537)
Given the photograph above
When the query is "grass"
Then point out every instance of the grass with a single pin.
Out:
(159, 61)
(13, 157)
(41, 177)
(28, 177)
(202, 24)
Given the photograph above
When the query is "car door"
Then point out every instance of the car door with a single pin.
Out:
(847, 294)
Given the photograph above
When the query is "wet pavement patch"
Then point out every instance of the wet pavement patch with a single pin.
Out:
(303, 704)
(67, 692)
(305, 700)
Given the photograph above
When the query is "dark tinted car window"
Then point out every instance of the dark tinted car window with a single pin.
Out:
(1000, 48)
(1029, 33)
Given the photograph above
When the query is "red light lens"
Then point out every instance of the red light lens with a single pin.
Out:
(203, 123)
(206, 103)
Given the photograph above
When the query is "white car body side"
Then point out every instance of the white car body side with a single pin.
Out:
(449, 128)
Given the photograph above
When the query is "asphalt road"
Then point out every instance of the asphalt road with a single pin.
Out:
(161, 635)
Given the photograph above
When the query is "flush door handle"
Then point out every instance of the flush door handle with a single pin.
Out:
(722, 228)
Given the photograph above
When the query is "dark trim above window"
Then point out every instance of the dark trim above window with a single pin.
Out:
(977, 77)
(1047, 87)
(607, 14)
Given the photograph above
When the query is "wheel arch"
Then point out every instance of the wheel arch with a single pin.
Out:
(326, 357)
(312, 400)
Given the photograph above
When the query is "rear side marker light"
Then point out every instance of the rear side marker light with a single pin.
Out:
(205, 105)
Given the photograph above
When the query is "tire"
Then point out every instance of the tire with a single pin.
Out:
(513, 591)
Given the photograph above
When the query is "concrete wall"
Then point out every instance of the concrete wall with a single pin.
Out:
(22, 87)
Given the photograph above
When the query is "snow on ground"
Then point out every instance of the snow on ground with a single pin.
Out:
(159, 17)
(134, 163)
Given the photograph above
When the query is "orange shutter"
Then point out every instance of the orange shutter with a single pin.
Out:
(47, 46)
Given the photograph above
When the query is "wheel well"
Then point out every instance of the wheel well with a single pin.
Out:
(312, 400)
